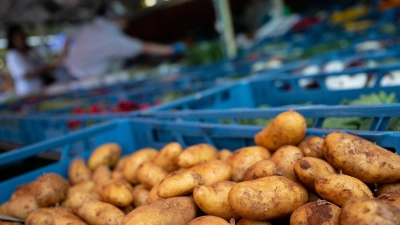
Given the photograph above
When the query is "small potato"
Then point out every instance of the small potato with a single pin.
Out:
(100, 213)
(267, 198)
(52, 189)
(244, 221)
(181, 183)
(25, 189)
(285, 158)
(367, 211)
(168, 156)
(288, 128)
(101, 174)
(213, 171)
(120, 163)
(316, 213)
(213, 200)
(118, 193)
(242, 159)
(150, 174)
(85, 186)
(140, 195)
(4, 209)
(308, 169)
(78, 171)
(106, 154)
(77, 198)
(384, 188)
(43, 216)
(264, 168)
(224, 154)
(133, 162)
(177, 211)
(197, 154)
(21, 207)
(362, 159)
(312, 146)
(340, 188)
(392, 198)
(117, 174)
(207, 220)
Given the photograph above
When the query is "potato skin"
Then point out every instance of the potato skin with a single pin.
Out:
(224, 154)
(181, 183)
(316, 213)
(25, 189)
(263, 168)
(244, 221)
(197, 154)
(21, 206)
(101, 174)
(312, 146)
(118, 193)
(340, 188)
(153, 196)
(242, 159)
(362, 159)
(133, 162)
(288, 128)
(392, 198)
(267, 198)
(213, 171)
(167, 157)
(52, 188)
(213, 200)
(85, 186)
(140, 195)
(367, 211)
(78, 171)
(100, 213)
(177, 211)
(206, 220)
(308, 169)
(45, 216)
(77, 198)
(106, 154)
(4, 208)
(149, 174)
(384, 188)
(285, 158)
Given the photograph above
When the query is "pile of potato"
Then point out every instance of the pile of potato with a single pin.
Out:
(339, 179)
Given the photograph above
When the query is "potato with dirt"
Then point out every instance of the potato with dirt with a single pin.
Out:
(149, 174)
(107, 154)
(392, 198)
(181, 183)
(384, 188)
(316, 213)
(118, 193)
(284, 158)
(207, 220)
(21, 206)
(167, 157)
(78, 171)
(197, 154)
(51, 189)
(100, 213)
(264, 168)
(133, 162)
(312, 146)
(224, 154)
(140, 195)
(244, 221)
(213, 171)
(77, 198)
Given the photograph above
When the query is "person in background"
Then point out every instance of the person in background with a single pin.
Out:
(101, 42)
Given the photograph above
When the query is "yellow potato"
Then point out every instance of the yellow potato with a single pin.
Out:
(384, 188)
(106, 154)
(11, 223)
(78, 171)
(288, 128)
(177, 211)
(77, 198)
(312, 146)
(213, 200)
(367, 211)
(4, 209)
(101, 174)
(51, 189)
(100, 213)
(117, 174)
(25, 189)
(242, 159)
(167, 158)
(21, 206)
(140, 195)
(285, 158)
(316, 213)
(150, 174)
(224, 154)
(340, 188)
(120, 163)
(181, 183)
(267, 198)
(263, 168)
(213, 171)
(85, 186)
(252, 222)
(153, 196)
(362, 159)
(68, 219)
(197, 154)
(45, 216)
(207, 220)
(392, 198)
(133, 162)
(308, 169)
(118, 193)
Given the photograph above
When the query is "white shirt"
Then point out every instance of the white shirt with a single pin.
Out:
(97, 45)
(19, 64)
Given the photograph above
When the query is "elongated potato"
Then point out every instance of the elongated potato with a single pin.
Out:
(25, 189)
(308, 169)
(150, 174)
(362, 159)
(242, 159)
(207, 220)
(316, 213)
(224, 154)
(100, 213)
(106, 154)
(167, 157)
(68, 219)
(181, 183)
(288, 128)
(4, 208)
(101, 174)
(177, 211)
(312, 146)
(45, 216)
(384, 188)
(340, 188)
(120, 163)
(392, 198)
(285, 158)
(51, 189)
(153, 196)
(267, 198)
(21, 206)
(78, 171)
(197, 154)
(244, 221)
(85, 186)
(263, 168)
(133, 162)
(367, 211)
(118, 193)
(140, 195)
(213, 171)
(77, 198)
(213, 200)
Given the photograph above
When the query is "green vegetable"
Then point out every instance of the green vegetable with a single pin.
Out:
(204, 53)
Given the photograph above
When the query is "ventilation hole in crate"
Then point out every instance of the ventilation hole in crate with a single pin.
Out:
(162, 136)
(225, 95)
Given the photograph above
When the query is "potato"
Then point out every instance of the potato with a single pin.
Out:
(45, 216)
(118, 193)
(242, 159)
(120, 163)
(384, 188)
(213, 200)
(362, 159)
(4, 209)
(316, 213)
(340, 188)
(77, 198)
(52, 189)
(267, 198)
(177, 211)
(367, 211)
(117, 174)
(21, 207)
(78, 171)
(100, 213)
(9, 223)
(288, 128)
(101, 174)
(213, 171)
(197, 154)
(308, 169)
(244, 221)
(224, 154)
(263, 168)
(181, 183)
(285, 158)
(85, 186)
(106, 154)
(392, 198)
(153, 196)
(25, 189)
(312, 146)
(140, 195)
(68, 219)
(133, 162)
(150, 174)
(167, 158)
(207, 220)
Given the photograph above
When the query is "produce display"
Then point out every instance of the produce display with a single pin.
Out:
(287, 178)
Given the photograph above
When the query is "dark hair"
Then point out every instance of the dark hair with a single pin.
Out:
(11, 31)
